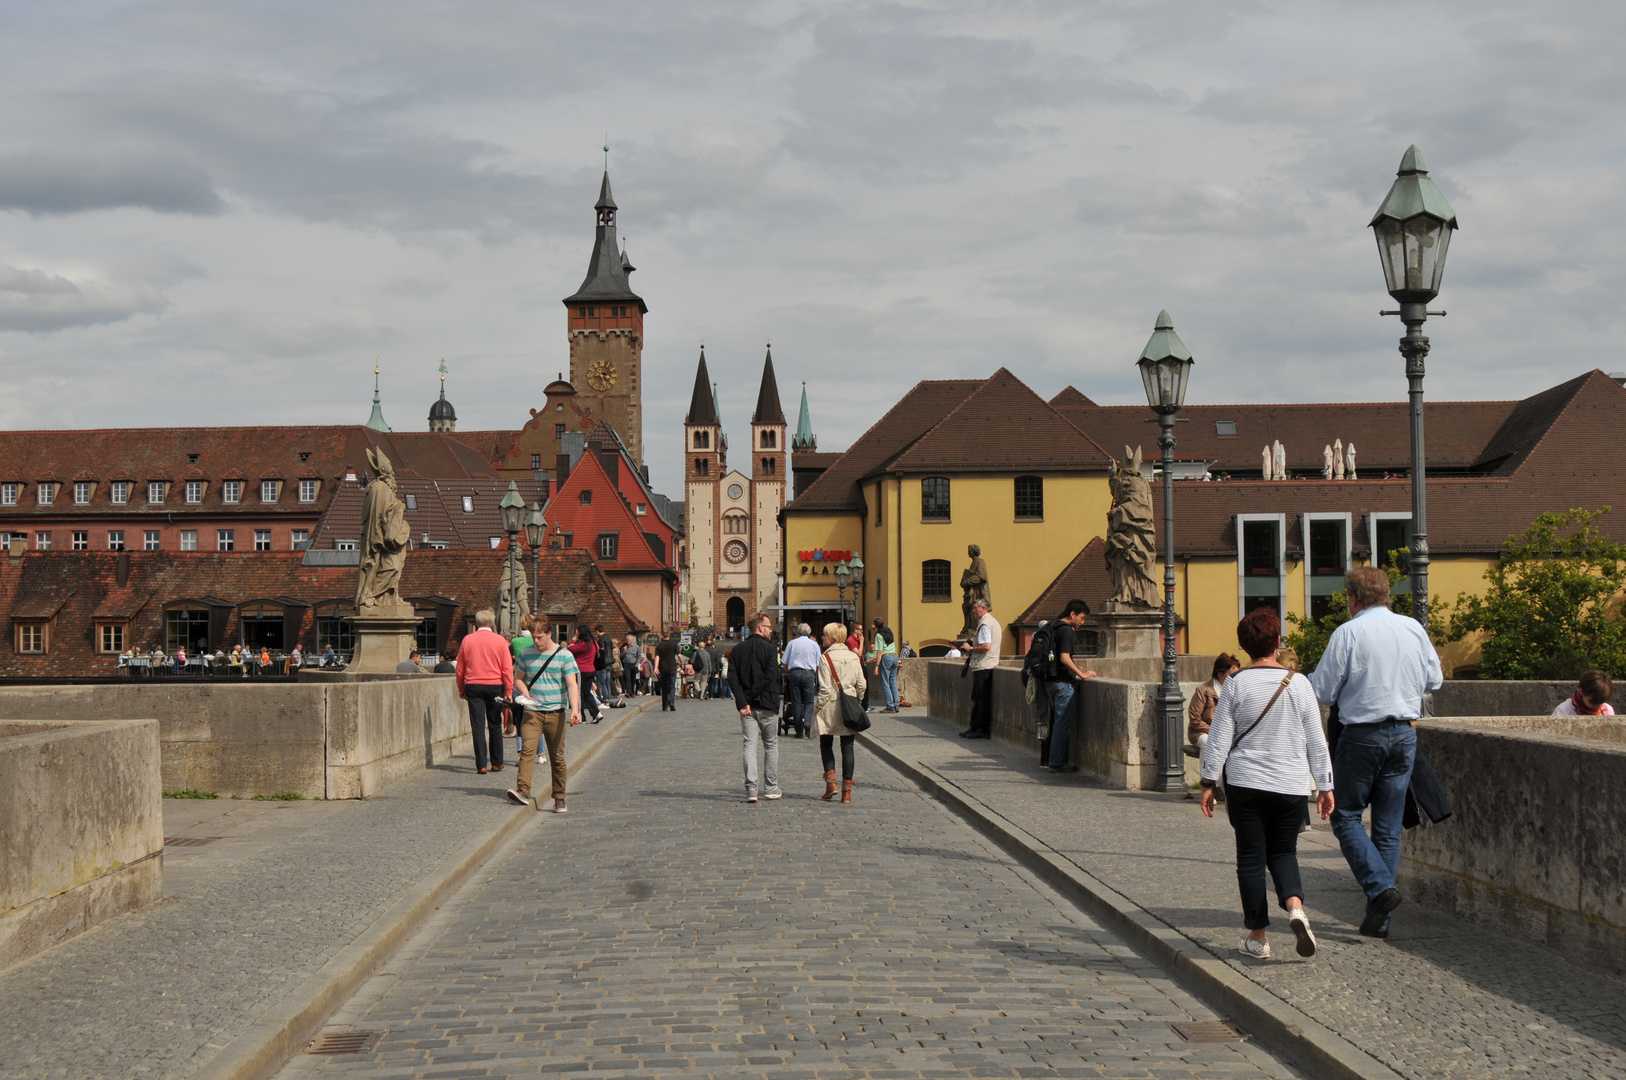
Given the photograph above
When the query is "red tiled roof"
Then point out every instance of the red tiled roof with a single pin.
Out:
(1456, 432)
(492, 446)
(434, 510)
(1001, 427)
(607, 513)
(77, 588)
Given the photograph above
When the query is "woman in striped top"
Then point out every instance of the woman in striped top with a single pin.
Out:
(1267, 744)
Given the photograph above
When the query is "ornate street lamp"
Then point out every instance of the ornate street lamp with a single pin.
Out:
(536, 532)
(1413, 227)
(844, 576)
(513, 519)
(1165, 366)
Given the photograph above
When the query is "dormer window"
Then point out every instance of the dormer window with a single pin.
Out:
(121, 492)
(269, 490)
(1224, 428)
(82, 490)
(587, 497)
(231, 492)
(194, 492)
(468, 504)
(47, 493)
(411, 501)
(8, 494)
(155, 491)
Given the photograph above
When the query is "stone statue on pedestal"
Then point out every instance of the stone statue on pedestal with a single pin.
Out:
(1132, 535)
(523, 604)
(384, 536)
(974, 586)
(1338, 459)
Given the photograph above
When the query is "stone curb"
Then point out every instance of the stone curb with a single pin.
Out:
(1277, 1025)
(268, 1043)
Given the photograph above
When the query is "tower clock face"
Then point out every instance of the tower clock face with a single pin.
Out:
(601, 376)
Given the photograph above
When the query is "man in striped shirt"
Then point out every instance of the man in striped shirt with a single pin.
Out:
(546, 673)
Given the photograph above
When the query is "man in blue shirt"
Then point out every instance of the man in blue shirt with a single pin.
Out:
(1376, 669)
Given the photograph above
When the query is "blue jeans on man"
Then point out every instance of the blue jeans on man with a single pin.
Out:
(889, 679)
(1372, 767)
(1060, 692)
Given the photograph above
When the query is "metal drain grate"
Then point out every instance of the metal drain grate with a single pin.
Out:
(1208, 1031)
(343, 1042)
(189, 841)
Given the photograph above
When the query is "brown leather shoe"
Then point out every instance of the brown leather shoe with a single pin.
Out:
(496, 768)
(846, 791)
(830, 788)
(481, 771)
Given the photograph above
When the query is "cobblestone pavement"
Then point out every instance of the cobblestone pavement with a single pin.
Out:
(244, 920)
(1439, 998)
(665, 928)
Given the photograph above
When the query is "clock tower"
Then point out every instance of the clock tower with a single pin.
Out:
(605, 319)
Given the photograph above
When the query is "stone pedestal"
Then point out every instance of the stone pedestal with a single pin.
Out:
(383, 640)
(1130, 631)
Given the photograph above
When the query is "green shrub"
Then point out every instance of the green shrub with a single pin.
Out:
(281, 796)
(190, 793)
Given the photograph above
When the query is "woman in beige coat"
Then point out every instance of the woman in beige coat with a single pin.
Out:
(838, 662)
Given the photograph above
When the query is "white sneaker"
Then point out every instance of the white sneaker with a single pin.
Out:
(1259, 950)
(774, 793)
(515, 796)
(542, 759)
(1301, 930)
(558, 806)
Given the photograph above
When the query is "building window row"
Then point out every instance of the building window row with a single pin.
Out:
(1027, 496)
(152, 539)
(1262, 556)
(158, 492)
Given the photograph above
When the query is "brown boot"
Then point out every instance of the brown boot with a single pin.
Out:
(846, 791)
(829, 784)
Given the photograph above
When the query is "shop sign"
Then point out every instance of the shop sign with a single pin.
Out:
(824, 555)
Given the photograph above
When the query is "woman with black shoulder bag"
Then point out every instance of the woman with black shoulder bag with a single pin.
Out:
(1265, 744)
(839, 709)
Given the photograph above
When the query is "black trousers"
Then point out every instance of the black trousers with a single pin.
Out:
(668, 680)
(827, 754)
(1267, 837)
(485, 723)
(982, 701)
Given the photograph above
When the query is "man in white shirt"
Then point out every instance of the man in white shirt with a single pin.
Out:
(802, 677)
(984, 651)
(1376, 669)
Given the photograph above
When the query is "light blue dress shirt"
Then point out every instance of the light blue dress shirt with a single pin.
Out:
(802, 654)
(1377, 665)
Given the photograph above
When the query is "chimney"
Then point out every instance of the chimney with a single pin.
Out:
(123, 569)
(561, 466)
(350, 473)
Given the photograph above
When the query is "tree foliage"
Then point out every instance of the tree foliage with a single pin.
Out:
(1310, 636)
(1551, 609)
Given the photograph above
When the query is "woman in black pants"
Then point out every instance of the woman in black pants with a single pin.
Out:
(839, 666)
(1266, 742)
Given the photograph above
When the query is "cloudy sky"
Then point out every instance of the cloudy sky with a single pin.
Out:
(220, 213)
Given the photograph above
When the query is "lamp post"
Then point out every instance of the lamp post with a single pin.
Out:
(1413, 228)
(844, 575)
(856, 565)
(1165, 365)
(513, 518)
(536, 531)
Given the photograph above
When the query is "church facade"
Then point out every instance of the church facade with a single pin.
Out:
(734, 547)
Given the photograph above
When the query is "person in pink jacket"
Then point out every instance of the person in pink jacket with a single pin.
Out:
(485, 679)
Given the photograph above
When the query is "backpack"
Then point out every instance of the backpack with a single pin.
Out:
(886, 635)
(1040, 662)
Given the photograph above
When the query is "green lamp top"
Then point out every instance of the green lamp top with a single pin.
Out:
(1413, 194)
(1165, 344)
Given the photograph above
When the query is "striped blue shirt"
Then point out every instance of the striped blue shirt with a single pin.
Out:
(549, 687)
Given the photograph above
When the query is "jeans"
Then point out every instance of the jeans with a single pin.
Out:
(889, 679)
(601, 678)
(765, 725)
(827, 754)
(668, 681)
(549, 727)
(1267, 836)
(802, 688)
(485, 723)
(1372, 767)
(1061, 721)
(629, 681)
(982, 702)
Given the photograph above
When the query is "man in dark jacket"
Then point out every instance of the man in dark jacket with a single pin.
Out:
(754, 675)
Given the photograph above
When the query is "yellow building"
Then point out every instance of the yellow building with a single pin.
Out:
(1241, 540)
(955, 463)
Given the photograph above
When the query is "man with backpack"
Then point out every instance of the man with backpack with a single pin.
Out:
(546, 673)
(1050, 660)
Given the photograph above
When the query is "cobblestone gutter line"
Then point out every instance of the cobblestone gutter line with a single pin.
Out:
(262, 1048)
(1278, 1026)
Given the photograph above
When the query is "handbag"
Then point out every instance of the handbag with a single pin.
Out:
(1262, 714)
(853, 715)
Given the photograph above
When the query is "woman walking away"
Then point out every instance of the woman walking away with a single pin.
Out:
(840, 668)
(1265, 741)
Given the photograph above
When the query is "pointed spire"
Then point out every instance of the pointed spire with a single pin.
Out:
(804, 441)
(376, 421)
(769, 410)
(626, 263)
(702, 406)
(606, 201)
(607, 268)
(442, 417)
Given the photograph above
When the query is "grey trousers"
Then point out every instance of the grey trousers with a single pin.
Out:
(766, 726)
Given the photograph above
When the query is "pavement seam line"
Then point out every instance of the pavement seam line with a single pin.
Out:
(263, 1047)
(1298, 1037)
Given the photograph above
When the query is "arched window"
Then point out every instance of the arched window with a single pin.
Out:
(934, 498)
(1030, 498)
(736, 524)
(702, 440)
(769, 439)
(768, 466)
(934, 580)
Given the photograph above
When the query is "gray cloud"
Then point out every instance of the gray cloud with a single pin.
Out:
(35, 302)
(38, 183)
